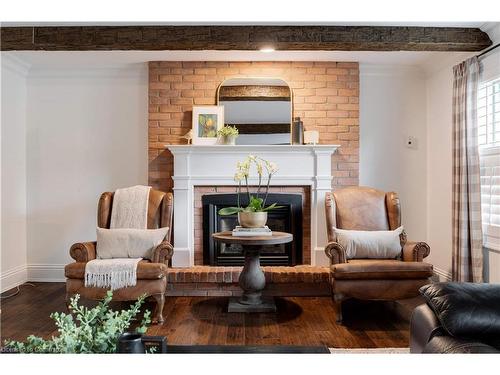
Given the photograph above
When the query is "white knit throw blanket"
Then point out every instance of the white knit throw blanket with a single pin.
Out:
(130, 210)
(111, 273)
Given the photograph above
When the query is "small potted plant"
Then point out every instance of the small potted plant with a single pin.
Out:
(86, 330)
(227, 135)
(255, 214)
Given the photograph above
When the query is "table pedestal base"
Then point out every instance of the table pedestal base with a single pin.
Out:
(266, 305)
(252, 280)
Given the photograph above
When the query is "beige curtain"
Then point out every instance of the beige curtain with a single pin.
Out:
(467, 231)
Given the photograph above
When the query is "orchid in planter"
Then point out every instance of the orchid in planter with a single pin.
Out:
(255, 214)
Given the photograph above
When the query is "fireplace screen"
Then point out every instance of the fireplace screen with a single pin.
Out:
(285, 219)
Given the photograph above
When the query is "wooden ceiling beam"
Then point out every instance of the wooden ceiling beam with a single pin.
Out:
(289, 38)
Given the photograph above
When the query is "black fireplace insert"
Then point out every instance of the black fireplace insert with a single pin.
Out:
(285, 219)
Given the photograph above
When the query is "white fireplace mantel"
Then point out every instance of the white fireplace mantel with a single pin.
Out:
(299, 165)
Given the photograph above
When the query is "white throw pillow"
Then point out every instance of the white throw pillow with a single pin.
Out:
(381, 244)
(128, 242)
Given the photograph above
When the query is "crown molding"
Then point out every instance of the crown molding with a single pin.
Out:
(433, 66)
(14, 64)
(493, 31)
(389, 70)
(135, 71)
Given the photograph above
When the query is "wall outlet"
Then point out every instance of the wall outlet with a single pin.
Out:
(411, 142)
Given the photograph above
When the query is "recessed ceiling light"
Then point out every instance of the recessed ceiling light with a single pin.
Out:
(267, 49)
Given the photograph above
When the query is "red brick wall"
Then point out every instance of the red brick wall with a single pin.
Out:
(325, 96)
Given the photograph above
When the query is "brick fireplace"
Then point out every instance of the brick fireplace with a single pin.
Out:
(325, 96)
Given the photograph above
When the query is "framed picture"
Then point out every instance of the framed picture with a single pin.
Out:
(206, 121)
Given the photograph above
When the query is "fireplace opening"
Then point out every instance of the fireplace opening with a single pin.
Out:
(285, 219)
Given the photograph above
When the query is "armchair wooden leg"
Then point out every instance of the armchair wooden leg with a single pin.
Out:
(337, 302)
(158, 314)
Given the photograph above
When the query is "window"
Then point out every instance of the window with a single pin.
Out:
(488, 114)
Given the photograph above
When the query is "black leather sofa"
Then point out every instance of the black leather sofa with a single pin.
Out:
(457, 318)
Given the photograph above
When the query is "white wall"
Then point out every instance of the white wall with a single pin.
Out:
(87, 133)
(392, 107)
(13, 176)
(439, 84)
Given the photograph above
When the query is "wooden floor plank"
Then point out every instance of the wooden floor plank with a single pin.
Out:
(205, 320)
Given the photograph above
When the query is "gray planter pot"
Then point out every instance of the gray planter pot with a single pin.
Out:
(252, 219)
(227, 140)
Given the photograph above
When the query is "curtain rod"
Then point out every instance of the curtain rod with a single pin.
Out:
(488, 50)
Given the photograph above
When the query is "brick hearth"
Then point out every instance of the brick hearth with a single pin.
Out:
(303, 280)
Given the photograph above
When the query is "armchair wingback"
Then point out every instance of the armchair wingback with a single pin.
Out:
(151, 275)
(368, 209)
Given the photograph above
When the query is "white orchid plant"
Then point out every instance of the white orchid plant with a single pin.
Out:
(256, 203)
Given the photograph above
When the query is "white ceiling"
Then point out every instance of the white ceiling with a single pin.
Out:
(82, 59)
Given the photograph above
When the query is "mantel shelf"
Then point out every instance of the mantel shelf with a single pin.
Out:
(251, 148)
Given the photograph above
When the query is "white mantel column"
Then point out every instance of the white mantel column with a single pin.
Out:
(183, 211)
(322, 185)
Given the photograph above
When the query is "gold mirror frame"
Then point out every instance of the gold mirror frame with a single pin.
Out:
(263, 78)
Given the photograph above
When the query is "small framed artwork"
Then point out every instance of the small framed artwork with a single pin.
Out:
(206, 121)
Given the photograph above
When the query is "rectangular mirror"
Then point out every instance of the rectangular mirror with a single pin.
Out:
(261, 109)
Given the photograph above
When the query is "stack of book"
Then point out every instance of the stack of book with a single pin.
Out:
(239, 231)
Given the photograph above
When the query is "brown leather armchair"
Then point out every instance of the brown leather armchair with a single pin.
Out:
(151, 275)
(363, 208)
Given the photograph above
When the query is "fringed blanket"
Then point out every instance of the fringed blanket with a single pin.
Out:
(111, 273)
(130, 210)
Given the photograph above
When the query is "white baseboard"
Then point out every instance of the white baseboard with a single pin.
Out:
(13, 277)
(442, 274)
(46, 273)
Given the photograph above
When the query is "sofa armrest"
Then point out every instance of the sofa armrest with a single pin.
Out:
(415, 251)
(336, 253)
(83, 251)
(424, 325)
(163, 253)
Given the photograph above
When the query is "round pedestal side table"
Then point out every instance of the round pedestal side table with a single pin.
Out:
(252, 279)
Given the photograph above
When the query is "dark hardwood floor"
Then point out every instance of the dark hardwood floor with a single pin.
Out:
(204, 320)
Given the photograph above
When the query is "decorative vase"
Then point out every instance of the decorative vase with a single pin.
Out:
(137, 343)
(131, 343)
(228, 139)
(297, 131)
(252, 219)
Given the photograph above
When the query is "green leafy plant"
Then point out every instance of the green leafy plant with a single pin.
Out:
(227, 131)
(255, 202)
(95, 330)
